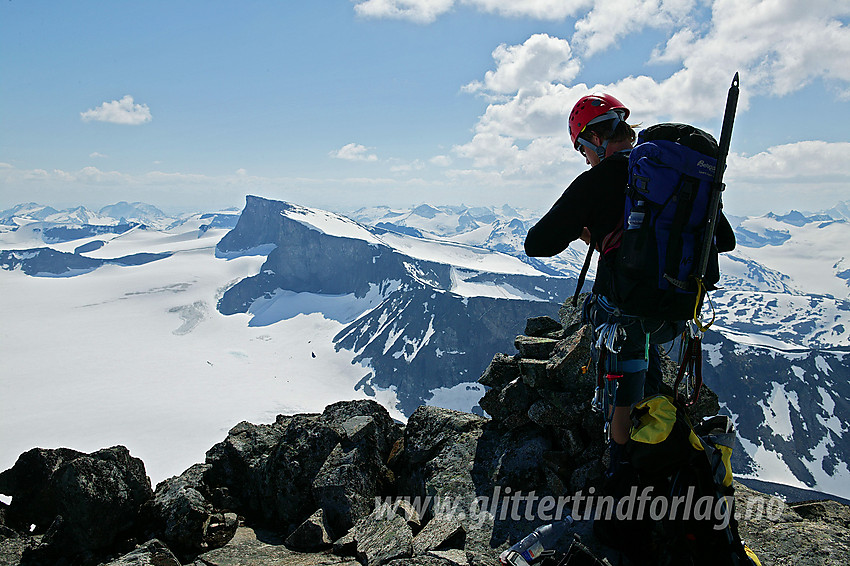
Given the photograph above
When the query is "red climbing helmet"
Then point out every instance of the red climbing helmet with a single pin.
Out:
(594, 108)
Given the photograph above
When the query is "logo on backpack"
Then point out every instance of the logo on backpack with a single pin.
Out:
(710, 167)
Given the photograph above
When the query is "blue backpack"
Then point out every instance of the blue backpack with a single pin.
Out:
(671, 170)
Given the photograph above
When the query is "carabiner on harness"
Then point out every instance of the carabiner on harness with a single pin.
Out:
(607, 343)
(608, 334)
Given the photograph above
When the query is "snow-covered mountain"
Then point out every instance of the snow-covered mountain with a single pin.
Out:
(420, 314)
(284, 308)
(29, 211)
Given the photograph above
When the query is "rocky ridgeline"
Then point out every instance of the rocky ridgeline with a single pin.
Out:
(302, 490)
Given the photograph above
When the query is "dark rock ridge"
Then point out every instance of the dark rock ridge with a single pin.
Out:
(47, 262)
(418, 335)
(59, 233)
(350, 486)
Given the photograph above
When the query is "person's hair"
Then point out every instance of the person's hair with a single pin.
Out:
(623, 131)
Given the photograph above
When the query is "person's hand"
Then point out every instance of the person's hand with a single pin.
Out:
(585, 235)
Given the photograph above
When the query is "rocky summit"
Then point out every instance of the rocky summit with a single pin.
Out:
(351, 486)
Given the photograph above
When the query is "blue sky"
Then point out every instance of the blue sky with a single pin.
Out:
(347, 103)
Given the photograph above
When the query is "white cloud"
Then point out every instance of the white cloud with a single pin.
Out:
(123, 111)
(552, 10)
(611, 20)
(541, 161)
(97, 154)
(427, 11)
(806, 175)
(354, 152)
(600, 24)
(780, 45)
(541, 59)
(420, 11)
(441, 160)
(798, 162)
(415, 165)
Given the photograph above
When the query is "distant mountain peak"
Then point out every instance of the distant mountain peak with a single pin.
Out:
(425, 211)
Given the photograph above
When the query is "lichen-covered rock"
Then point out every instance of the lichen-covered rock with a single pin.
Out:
(277, 475)
(567, 363)
(181, 515)
(346, 486)
(236, 465)
(345, 545)
(409, 513)
(289, 471)
(12, 548)
(250, 547)
(509, 406)
(430, 429)
(27, 482)
(442, 531)
(588, 474)
(535, 348)
(468, 469)
(502, 370)
(96, 498)
(421, 560)
(311, 535)
(268, 469)
(382, 538)
(779, 534)
(151, 553)
(544, 413)
(352, 420)
(540, 326)
(571, 316)
(355, 471)
(534, 372)
(453, 556)
(572, 441)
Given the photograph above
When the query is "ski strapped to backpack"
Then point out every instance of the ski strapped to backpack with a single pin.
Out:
(717, 190)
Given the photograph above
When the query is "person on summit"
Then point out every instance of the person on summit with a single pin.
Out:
(592, 209)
